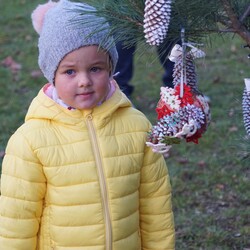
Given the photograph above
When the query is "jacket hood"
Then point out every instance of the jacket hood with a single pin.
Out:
(43, 107)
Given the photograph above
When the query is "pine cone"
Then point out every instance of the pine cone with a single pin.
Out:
(169, 126)
(191, 76)
(156, 20)
(246, 110)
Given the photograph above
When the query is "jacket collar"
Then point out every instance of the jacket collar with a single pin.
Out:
(43, 107)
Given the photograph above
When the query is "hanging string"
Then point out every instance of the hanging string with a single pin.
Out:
(183, 64)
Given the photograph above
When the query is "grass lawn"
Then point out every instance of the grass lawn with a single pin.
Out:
(210, 180)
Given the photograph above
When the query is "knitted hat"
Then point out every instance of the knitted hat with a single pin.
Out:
(63, 28)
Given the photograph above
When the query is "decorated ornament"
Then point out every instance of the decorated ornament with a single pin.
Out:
(183, 112)
(246, 105)
(156, 20)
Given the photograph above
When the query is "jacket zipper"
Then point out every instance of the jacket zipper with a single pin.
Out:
(102, 181)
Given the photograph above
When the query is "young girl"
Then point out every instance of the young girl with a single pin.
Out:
(77, 174)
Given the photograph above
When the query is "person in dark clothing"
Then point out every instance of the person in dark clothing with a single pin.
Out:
(125, 66)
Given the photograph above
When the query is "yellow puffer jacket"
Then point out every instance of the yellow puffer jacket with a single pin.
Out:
(84, 180)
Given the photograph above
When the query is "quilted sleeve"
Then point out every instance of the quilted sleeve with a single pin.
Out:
(156, 216)
(22, 193)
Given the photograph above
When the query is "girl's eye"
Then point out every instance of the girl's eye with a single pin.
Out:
(70, 71)
(95, 69)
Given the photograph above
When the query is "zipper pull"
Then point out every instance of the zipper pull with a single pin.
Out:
(89, 117)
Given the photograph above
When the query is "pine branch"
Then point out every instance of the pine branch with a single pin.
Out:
(199, 18)
(245, 14)
(134, 4)
(234, 23)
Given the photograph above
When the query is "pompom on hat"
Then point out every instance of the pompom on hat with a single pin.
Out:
(62, 29)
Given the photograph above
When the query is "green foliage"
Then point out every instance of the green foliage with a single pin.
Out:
(18, 41)
(171, 140)
(199, 18)
(125, 18)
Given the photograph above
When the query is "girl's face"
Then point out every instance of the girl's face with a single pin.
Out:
(82, 78)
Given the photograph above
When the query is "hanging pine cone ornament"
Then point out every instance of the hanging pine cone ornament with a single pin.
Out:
(156, 20)
(191, 76)
(183, 112)
(246, 110)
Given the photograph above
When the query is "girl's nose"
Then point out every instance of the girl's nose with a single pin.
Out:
(84, 80)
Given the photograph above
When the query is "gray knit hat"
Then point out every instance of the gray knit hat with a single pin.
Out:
(63, 28)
